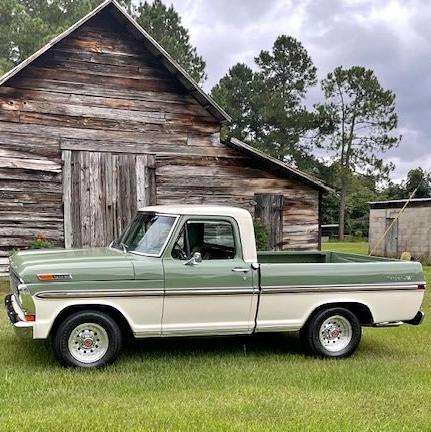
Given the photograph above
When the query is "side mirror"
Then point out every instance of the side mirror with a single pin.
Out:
(195, 259)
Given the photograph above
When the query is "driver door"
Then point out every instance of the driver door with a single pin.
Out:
(215, 295)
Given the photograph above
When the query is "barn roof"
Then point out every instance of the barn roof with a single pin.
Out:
(118, 12)
(276, 165)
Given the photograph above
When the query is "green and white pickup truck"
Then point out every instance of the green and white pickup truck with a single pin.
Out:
(194, 270)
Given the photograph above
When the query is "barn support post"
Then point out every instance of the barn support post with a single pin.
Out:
(320, 213)
(145, 180)
(67, 198)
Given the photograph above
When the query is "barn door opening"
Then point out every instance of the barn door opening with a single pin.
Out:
(269, 210)
(101, 194)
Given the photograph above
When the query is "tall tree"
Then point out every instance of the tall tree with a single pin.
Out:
(267, 105)
(363, 126)
(164, 25)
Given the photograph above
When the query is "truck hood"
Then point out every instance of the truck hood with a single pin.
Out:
(82, 264)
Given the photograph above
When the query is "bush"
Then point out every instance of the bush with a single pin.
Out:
(40, 243)
(261, 234)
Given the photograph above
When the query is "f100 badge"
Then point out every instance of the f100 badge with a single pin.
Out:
(54, 277)
(400, 278)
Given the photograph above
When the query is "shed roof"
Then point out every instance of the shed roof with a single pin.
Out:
(415, 202)
(278, 166)
(151, 44)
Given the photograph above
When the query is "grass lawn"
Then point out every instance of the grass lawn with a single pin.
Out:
(260, 383)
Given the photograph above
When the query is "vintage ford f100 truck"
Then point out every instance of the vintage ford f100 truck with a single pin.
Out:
(194, 270)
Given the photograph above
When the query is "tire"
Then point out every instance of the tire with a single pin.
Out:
(333, 332)
(87, 339)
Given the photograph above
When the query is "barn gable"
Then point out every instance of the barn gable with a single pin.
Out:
(102, 121)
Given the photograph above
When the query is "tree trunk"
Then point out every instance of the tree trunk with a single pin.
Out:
(342, 210)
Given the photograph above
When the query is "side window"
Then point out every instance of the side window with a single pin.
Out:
(220, 234)
(213, 239)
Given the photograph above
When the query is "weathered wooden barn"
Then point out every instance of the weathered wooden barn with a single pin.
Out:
(102, 121)
(408, 231)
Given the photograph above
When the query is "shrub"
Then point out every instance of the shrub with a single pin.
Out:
(261, 234)
(40, 242)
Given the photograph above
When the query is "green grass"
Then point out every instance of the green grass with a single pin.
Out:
(359, 247)
(260, 383)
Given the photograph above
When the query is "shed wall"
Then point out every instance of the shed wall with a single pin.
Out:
(413, 231)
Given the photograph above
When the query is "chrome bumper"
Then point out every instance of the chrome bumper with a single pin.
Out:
(16, 317)
(417, 320)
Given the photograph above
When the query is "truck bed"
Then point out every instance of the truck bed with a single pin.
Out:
(288, 257)
(294, 283)
(333, 268)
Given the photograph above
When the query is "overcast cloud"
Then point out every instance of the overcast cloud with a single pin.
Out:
(390, 36)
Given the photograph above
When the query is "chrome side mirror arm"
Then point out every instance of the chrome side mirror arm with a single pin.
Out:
(194, 260)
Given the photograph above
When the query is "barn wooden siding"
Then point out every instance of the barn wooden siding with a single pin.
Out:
(100, 91)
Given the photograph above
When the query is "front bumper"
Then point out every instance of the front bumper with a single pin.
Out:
(16, 317)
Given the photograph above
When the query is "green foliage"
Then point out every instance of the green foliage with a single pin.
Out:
(236, 93)
(418, 179)
(27, 25)
(267, 105)
(164, 25)
(40, 242)
(261, 234)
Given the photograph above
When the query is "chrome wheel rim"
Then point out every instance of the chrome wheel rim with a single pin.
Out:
(335, 333)
(88, 343)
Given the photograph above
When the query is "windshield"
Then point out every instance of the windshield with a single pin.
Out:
(146, 234)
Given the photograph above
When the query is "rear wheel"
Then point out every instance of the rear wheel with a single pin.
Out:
(332, 332)
(87, 339)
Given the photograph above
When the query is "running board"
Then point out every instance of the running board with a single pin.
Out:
(388, 324)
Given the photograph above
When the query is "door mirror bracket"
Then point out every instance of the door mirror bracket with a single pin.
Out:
(194, 260)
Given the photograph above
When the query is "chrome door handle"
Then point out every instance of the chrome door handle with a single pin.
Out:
(240, 270)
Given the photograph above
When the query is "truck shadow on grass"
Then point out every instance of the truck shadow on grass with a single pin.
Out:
(262, 344)
(39, 353)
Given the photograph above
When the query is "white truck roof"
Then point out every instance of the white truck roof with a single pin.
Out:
(242, 216)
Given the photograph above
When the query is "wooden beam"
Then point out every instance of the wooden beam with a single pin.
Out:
(67, 198)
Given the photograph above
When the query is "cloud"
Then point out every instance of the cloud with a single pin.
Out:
(392, 37)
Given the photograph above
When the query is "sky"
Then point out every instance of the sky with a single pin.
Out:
(392, 37)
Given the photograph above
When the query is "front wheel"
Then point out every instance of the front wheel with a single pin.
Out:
(332, 332)
(87, 339)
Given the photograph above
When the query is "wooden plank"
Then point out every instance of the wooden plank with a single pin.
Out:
(30, 185)
(46, 85)
(146, 184)
(94, 205)
(67, 198)
(82, 199)
(23, 175)
(94, 112)
(30, 164)
(149, 102)
(138, 84)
